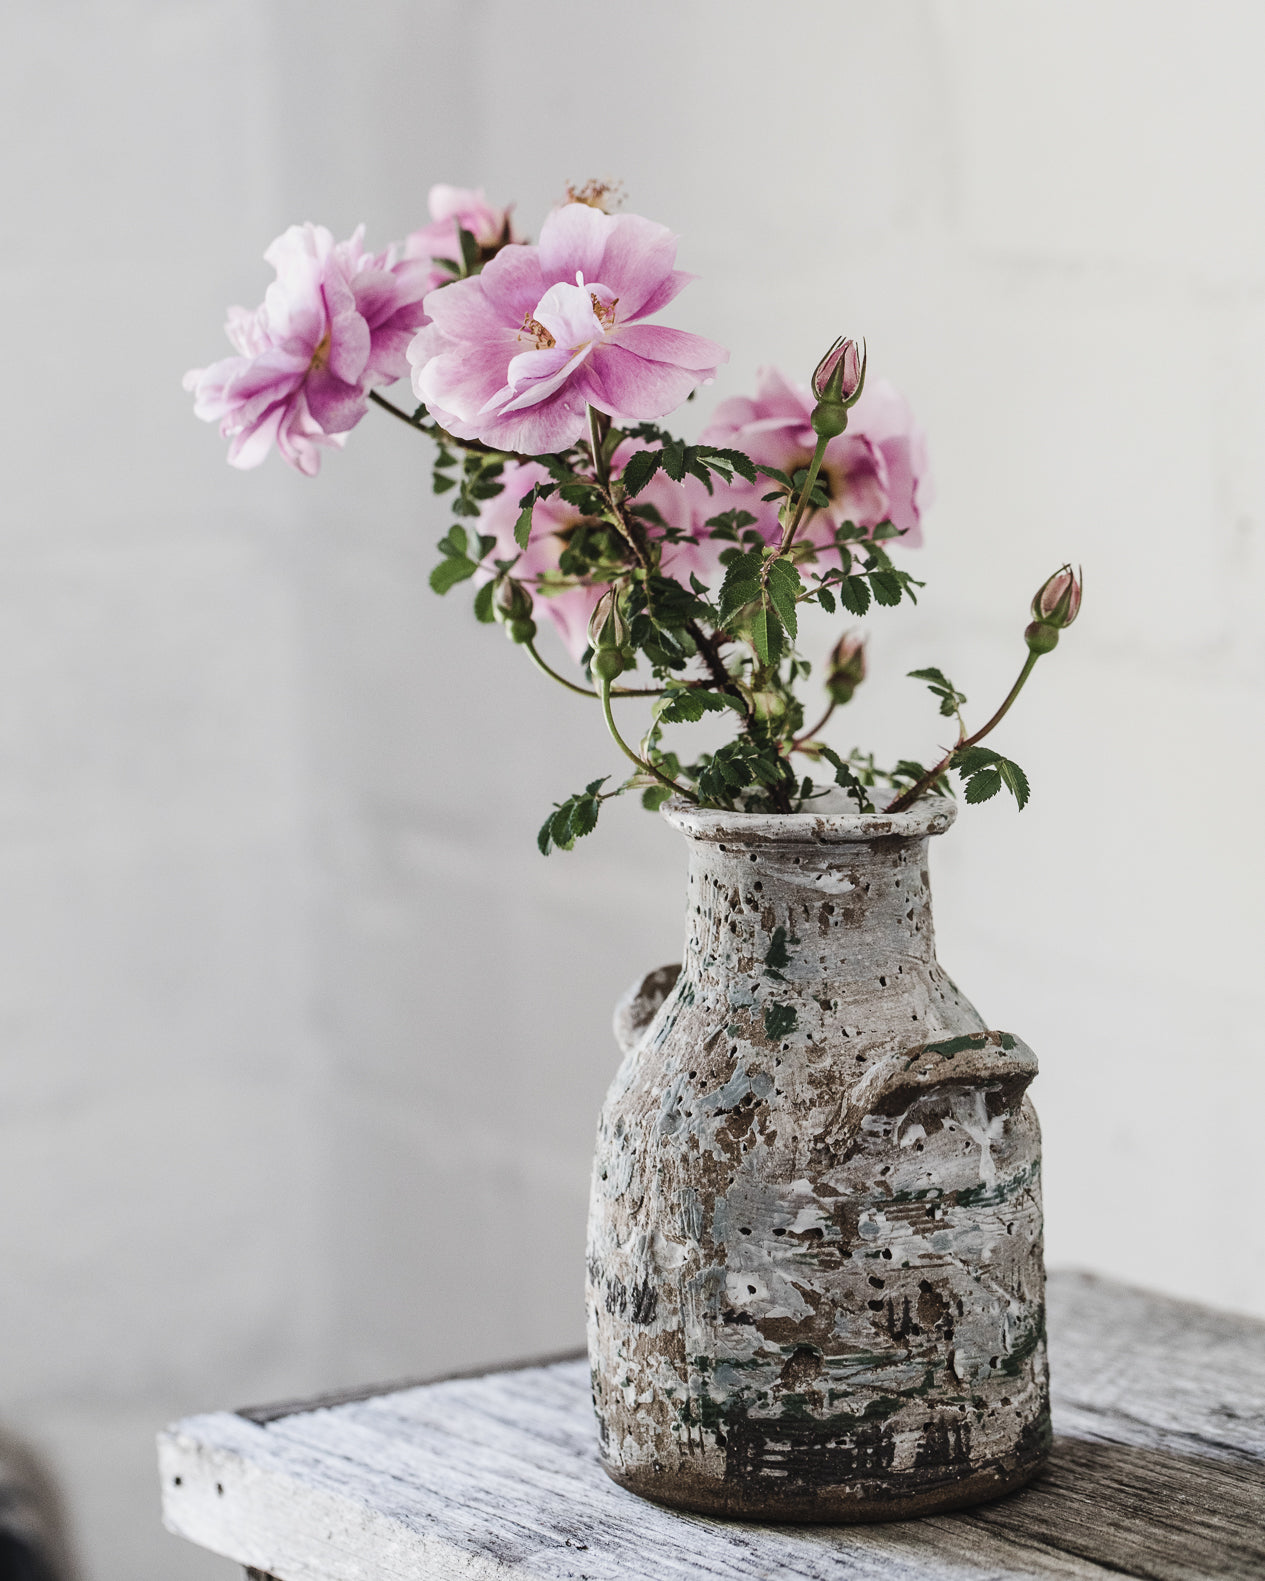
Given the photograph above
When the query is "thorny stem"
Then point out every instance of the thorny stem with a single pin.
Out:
(909, 797)
(583, 691)
(642, 764)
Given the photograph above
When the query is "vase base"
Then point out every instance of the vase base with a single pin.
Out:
(863, 1502)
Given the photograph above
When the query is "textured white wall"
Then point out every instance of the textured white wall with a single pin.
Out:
(302, 1040)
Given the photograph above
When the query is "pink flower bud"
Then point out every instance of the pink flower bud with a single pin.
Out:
(843, 366)
(1058, 600)
(845, 668)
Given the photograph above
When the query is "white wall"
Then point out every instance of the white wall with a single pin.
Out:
(303, 1042)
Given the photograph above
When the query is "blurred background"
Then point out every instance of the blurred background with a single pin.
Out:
(302, 1041)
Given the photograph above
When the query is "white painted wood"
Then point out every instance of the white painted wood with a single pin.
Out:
(1158, 1472)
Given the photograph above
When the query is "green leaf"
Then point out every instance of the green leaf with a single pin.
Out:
(1016, 781)
(779, 1020)
(943, 688)
(584, 816)
(470, 249)
(785, 585)
(887, 587)
(483, 603)
(741, 585)
(443, 483)
(972, 759)
(685, 705)
(455, 541)
(983, 786)
(673, 460)
(826, 599)
(766, 634)
(456, 568)
(846, 777)
(854, 595)
(640, 468)
(522, 527)
(654, 796)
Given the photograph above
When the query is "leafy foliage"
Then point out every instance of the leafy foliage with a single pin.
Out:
(984, 772)
(570, 820)
(951, 699)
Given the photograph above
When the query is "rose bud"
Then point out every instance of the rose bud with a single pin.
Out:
(845, 668)
(838, 380)
(607, 626)
(512, 606)
(1056, 605)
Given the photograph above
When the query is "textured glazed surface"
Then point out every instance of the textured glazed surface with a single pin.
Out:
(815, 1277)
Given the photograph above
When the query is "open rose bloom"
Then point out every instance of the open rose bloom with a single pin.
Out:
(516, 355)
(543, 371)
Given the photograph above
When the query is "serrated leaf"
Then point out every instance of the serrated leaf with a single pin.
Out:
(442, 483)
(826, 599)
(584, 816)
(983, 786)
(1016, 781)
(972, 759)
(854, 594)
(483, 603)
(886, 587)
(785, 584)
(522, 527)
(766, 633)
(450, 571)
(640, 468)
(673, 461)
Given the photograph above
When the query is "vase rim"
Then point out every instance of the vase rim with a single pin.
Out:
(827, 825)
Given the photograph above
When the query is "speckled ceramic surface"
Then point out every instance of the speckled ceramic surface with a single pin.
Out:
(816, 1288)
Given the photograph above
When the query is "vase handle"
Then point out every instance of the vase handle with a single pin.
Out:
(998, 1060)
(639, 1006)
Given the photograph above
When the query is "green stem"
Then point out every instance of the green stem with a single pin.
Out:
(642, 764)
(583, 691)
(395, 411)
(909, 797)
(788, 537)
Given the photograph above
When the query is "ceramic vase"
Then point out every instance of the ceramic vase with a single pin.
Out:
(815, 1280)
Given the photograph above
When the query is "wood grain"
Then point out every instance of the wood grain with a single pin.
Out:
(1158, 1471)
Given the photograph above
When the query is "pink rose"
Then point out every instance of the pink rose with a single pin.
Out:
(451, 207)
(875, 471)
(334, 324)
(515, 354)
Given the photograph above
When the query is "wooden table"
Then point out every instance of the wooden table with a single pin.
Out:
(1158, 1470)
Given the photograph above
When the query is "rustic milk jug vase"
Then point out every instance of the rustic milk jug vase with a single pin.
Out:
(815, 1280)
(815, 1284)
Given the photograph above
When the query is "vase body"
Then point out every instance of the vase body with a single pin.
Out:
(815, 1280)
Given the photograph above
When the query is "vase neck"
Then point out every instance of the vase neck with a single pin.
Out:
(846, 910)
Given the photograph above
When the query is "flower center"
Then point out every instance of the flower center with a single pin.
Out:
(536, 331)
(321, 355)
(604, 312)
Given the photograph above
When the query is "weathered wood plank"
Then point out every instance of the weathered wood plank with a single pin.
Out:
(1158, 1472)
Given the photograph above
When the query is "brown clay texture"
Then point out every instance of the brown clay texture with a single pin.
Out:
(815, 1279)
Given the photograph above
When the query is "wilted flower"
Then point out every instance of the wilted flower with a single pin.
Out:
(335, 323)
(516, 353)
(464, 207)
(875, 472)
(845, 668)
